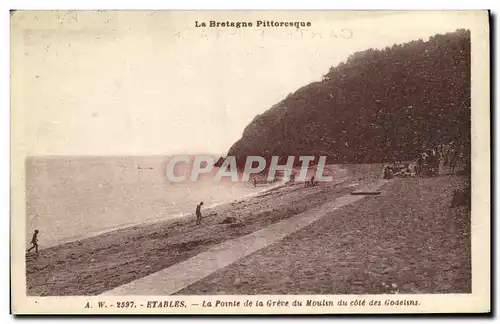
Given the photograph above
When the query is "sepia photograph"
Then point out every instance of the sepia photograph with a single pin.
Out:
(250, 161)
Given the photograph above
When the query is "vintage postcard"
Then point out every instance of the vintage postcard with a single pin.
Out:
(250, 162)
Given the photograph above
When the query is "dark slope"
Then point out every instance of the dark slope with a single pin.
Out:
(376, 106)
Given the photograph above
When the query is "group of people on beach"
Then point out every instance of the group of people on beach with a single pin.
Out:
(430, 160)
(428, 163)
(391, 171)
(307, 183)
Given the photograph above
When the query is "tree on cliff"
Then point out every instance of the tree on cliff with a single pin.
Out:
(375, 106)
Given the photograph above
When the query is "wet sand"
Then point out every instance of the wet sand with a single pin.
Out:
(97, 264)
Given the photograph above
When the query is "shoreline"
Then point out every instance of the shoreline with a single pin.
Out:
(96, 264)
(267, 186)
(170, 217)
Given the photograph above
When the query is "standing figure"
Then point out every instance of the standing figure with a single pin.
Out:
(433, 162)
(387, 173)
(198, 213)
(452, 159)
(420, 162)
(34, 241)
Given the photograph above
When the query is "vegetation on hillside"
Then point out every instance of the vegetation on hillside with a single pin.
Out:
(377, 106)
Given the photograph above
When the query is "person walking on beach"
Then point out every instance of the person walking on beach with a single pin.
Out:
(452, 160)
(419, 164)
(198, 213)
(254, 182)
(433, 161)
(34, 241)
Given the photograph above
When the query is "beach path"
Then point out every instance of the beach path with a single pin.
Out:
(181, 275)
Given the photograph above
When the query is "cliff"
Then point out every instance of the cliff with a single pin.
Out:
(376, 106)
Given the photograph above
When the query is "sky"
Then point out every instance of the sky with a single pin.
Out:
(151, 83)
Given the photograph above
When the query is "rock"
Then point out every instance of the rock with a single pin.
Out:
(229, 220)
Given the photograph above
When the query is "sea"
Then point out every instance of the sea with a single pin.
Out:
(71, 198)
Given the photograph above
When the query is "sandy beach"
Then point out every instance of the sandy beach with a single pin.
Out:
(418, 227)
(407, 240)
(97, 264)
